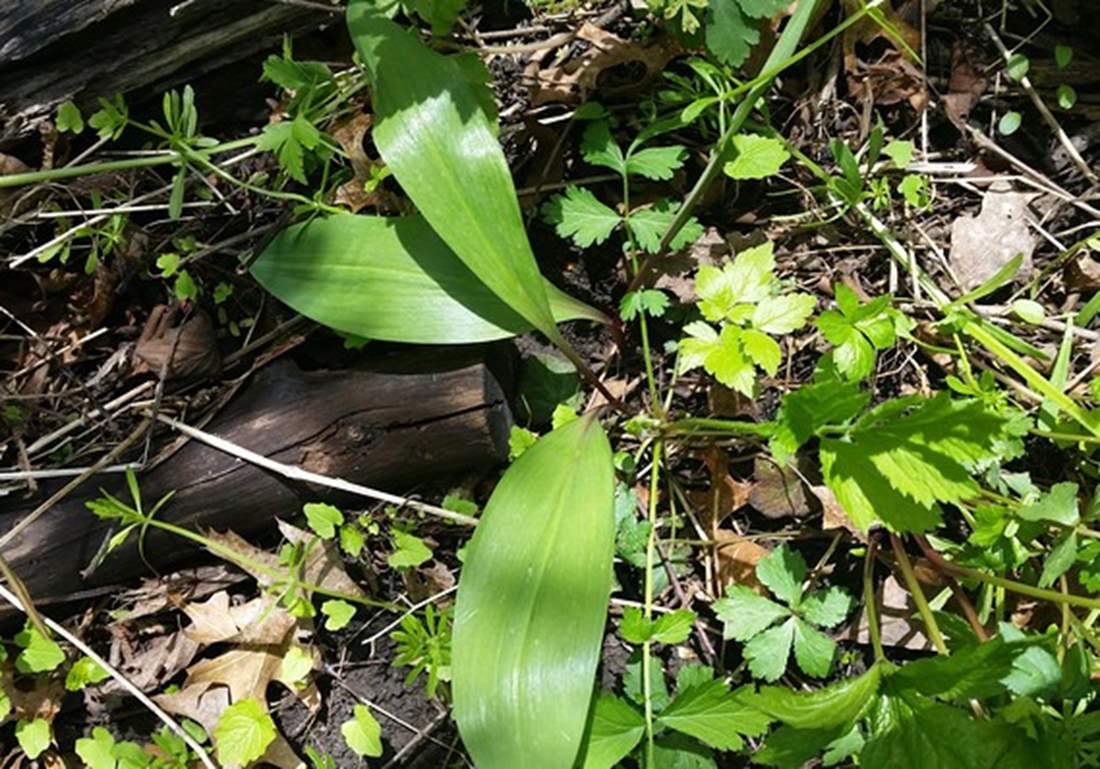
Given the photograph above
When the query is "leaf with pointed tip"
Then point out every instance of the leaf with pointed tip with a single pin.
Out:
(532, 602)
(436, 136)
(391, 279)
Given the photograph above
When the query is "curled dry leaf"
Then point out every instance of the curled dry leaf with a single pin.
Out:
(737, 561)
(579, 76)
(778, 492)
(833, 515)
(1082, 273)
(190, 349)
(260, 621)
(725, 495)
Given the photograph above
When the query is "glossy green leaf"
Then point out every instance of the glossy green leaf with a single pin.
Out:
(616, 728)
(532, 602)
(392, 279)
(435, 133)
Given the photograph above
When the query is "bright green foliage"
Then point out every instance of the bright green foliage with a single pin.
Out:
(243, 733)
(745, 297)
(750, 618)
(708, 712)
(532, 603)
(577, 213)
(1058, 505)
(323, 518)
(39, 654)
(805, 411)
(111, 119)
(648, 301)
(1063, 55)
(69, 118)
(409, 551)
(33, 736)
(616, 728)
(1009, 123)
(425, 647)
(1029, 311)
(828, 708)
(519, 440)
(685, 14)
(909, 455)
(352, 540)
(291, 140)
(296, 666)
(758, 157)
(916, 191)
(436, 131)
(98, 751)
(84, 672)
(421, 292)
(362, 733)
(1018, 66)
(733, 27)
(900, 151)
(338, 613)
(672, 628)
(859, 331)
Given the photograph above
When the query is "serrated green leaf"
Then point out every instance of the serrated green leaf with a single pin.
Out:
(1035, 673)
(434, 133)
(974, 671)
(783, 314)
(323, 518)
(656, 163)
(615, 730)
(757, 157)
(362, 733)
(782, 571)
(39, 654)
(710, 714)
(827, 608)
(745, 614)
(297, 663)
(532, 603)
(674, 627)
(244, 731)
(832, 707)
(730, 34)
(649, 301)
(813, 650)
(809, 408)
(648, 226)
(768, 652)
(900, 151)
(84, 672)
(762, 349)
(578, 215)
(1061, 557)
(352, 540)
(598, 147)
(635, 628)
(1058, 505)
(898, 466)
(420, 292)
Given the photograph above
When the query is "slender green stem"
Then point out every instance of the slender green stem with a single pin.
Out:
(917, 592)
(871, 602)
(650, 553)
(731, 426)
(109, 166)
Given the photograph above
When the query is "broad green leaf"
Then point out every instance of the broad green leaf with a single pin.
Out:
(362, 733)
(578, 215)
(33, 736)
(656, 163)
(337, 613)
(1035, 673)
(827, 608)
(674, 627)
(599, 148)
(758, 157)
(790, 748)
(69, 118)
(712, 715)
(323, 518)
(97, 751)
(762, 349)
(767, 653)
(433, 132)
(615, 729)
(84, 672)
(745, 613)
(409, 551)
(635, 628)
(244, 731)
(733, 27)
(297, 663)
(813, 650)
(783, 314)
(532, 602)
(896, 466)
(633, 683)
(39, 653)
(1059, 505)
(1060, 558)
(782, 571)
(648, 301)
(829, 708)
(809, 408)
(970, 672)
(678, 751)
(900, 151)
(391, 279)
(648, 225)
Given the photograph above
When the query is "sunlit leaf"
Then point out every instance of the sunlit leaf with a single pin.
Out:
(532, 602)
(392, 279)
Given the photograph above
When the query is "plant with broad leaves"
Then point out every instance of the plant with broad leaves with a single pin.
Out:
(362, 733)
(244, 731)
(747, 301)
(859, 331)
(752, 619)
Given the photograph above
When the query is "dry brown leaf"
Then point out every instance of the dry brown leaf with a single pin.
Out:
(260, 621)
(1082, 273)
(172, 591)
(777, 492)
(833, 515)
(41, 701)
(737, 561)
(576, 79)
(154, 664)
(353, 193)
(983, 244)
(966, 85)
(898, 621)
(725, 495)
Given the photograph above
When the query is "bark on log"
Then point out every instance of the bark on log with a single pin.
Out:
(54, 50)
(389, 429)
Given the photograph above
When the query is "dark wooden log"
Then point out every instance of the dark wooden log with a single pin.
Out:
(55, 50)
(401, 426)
